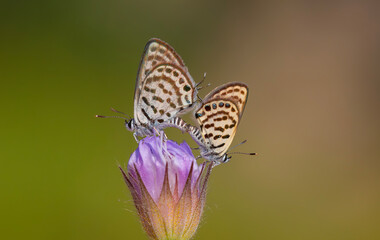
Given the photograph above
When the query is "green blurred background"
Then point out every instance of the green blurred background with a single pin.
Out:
(312, 115)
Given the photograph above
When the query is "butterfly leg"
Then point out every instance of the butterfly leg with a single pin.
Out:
(135, 136)
(196, 136)
(215, 163)
(159, 132)
(163, 137)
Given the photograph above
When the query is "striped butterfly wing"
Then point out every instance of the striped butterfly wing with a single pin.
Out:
(220, 115)
(164, 87)
(156, 52)
(236, 91)
(167, 90)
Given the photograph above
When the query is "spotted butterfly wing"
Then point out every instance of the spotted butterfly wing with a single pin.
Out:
(218, 118)
(164, 88)
(236, 91)
(155, 52)
(166, 92)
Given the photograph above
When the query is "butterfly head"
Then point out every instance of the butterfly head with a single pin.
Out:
(130, 124)
(225, 158)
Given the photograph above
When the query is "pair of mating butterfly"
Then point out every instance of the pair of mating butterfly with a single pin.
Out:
(164, 89)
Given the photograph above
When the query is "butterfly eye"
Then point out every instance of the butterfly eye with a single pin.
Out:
(130, 123)
(226, 158)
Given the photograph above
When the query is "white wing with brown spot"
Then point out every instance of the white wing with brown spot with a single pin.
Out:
(156, 52)
(167, 91)
(236, 91)
(218, 118)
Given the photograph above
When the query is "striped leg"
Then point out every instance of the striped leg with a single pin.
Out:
(196, 136)
(177, 123)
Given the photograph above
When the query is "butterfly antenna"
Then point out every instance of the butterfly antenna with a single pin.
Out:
(238, 145)
(116, 111)
(208, 84)
(204, 77)
(243, 153)
(199, 88)
(240, 152)
(101, 116)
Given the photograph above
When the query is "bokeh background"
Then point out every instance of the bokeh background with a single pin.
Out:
(312, 115)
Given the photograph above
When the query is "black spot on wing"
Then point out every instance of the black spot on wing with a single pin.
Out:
(217, 137)
(156, 98)
(219, 129)
(173, 105)
(187, 99)
(145, 114)
(145, 100)
(187, 88)
(154, 109)
(209, 135)
(219, 146)
(226, 136)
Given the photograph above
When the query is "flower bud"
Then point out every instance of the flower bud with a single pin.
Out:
(168, 188)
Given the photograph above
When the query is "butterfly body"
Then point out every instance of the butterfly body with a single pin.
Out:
(149, 130)
(164, 89)
(218, 118)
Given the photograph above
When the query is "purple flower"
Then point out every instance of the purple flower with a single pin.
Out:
(168, 188)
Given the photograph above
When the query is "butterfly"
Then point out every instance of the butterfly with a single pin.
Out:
(218, 118)
(164, 89)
